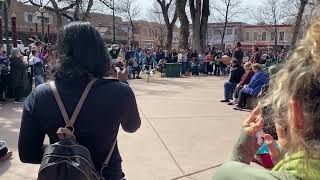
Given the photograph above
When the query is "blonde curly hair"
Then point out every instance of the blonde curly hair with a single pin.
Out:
(299, 79)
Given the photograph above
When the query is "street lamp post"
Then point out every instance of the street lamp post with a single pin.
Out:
(42, 11)
(113, 23)
(6, 5)
(14, 30)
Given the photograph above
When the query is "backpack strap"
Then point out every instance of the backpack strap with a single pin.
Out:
(69, 129)
(106, 162)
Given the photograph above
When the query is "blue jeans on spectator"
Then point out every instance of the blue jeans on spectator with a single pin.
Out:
(38, 79)
(228, 90)
(184, 67)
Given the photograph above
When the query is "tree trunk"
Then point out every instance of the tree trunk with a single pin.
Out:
(297, 25)
(169, 37)
(132, 34)
(226, 17)
(195, 12)
(169, 25)
(204, 25)
(184, 21)
(59, 26)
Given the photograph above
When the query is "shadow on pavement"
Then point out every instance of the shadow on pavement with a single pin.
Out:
(4, 167)
(10, 119)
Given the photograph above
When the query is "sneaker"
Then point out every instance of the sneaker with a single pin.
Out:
(231, 103)
(238, 108)
(224, 101)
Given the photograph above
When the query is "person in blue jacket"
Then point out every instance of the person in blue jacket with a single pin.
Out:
(258, 80)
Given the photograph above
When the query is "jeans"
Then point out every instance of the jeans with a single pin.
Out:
(184, 67)
(228, 90)
(243, 98)
(38, 80)
(217, 70)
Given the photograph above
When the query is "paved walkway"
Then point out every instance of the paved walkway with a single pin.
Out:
(185, 133)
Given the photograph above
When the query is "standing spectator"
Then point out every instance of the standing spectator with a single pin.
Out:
(19, 76)
(114, 53)
(236, 73)
(109, 104)
(169, 57)
(256, 56)
(238, 53)
(217, 64)
(162, 55)
(258, 80)
(37, 66)
(183, 58)
(4, 74)
(229, 53)
(209, 63)
(174, 56)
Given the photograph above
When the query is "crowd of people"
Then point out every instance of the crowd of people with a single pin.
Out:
(19, 72)
(289, 104)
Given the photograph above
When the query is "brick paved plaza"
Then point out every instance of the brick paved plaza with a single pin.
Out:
(185, 133)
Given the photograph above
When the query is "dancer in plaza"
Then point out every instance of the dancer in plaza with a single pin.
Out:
(81, 61)
(294, 99)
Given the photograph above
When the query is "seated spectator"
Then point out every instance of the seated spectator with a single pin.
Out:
(5, 154)
(294, 98)
(195, 66)
(258, 80)
(160, 67)
(244, 81)
(237, 72)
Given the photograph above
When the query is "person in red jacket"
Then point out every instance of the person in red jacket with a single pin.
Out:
(244, 81)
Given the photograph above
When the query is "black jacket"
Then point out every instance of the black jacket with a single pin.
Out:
(236, 74)
(109, 104)
(19, 75)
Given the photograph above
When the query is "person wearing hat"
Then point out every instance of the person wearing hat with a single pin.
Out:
(238, 53)
(236, 73)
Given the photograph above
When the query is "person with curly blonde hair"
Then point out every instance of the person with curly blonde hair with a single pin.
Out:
(294, 98)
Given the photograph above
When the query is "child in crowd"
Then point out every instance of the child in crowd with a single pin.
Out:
(161, 67)
(5, 154)
(195, 67)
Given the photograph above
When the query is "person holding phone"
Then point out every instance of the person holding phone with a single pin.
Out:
(294, 98)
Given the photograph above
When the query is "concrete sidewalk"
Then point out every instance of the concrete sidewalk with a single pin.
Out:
(186, 132)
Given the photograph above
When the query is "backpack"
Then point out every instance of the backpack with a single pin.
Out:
(66, 159)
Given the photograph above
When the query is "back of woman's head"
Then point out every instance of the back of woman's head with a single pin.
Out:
(81, 53)
(299, 80)
(15, 53)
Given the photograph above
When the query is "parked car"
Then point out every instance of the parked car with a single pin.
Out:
(20, 45)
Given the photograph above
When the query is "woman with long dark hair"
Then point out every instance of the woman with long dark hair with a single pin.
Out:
(80, 57)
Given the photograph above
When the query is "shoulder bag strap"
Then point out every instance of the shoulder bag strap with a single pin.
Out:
(70, 122)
